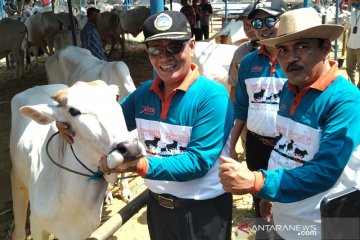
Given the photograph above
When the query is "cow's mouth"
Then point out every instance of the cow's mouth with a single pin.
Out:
(125, 152)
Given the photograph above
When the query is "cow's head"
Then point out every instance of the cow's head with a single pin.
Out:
(92, 111)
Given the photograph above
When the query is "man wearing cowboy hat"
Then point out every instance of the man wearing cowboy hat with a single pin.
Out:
(317, 127)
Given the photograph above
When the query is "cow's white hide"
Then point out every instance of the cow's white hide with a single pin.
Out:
(64, 203)
(232, 33)
(64, 38)
(42, 28)
(72, 64)
(214, 60)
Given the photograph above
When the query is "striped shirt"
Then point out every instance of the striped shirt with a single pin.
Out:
(90, 40)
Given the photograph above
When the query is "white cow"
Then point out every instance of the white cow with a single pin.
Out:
(65, 193)
(12, 34)
(72, 64)
(64, 38)
(214, 60)
(232, 33)
(42, 28)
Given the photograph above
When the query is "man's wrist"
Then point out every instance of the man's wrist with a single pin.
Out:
(259, 179)
(142, 166)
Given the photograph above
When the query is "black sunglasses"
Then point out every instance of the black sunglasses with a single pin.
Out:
(257, 23)
(174, 48)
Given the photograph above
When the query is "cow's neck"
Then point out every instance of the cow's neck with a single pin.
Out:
(87, 155)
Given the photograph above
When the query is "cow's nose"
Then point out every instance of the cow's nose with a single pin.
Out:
(121, 147)
(130, 149)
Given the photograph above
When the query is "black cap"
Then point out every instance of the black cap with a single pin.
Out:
(91, 10)
(246, 11)
(171, 25)
(272, 7)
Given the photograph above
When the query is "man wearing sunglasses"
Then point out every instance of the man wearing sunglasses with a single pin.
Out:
(184, 120)
(260, 80)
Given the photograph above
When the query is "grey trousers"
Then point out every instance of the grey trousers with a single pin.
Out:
(353, 64)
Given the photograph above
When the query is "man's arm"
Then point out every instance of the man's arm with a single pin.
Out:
(340, 137)
(209, 135)
(235, 134)
(210, 131)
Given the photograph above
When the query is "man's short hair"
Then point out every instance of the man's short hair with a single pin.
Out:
(90, 10)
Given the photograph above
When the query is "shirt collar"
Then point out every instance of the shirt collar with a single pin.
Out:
(262, 51)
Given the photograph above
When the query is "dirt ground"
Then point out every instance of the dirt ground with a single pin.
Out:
(136, 228)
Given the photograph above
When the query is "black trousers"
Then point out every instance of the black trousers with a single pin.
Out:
(257, 157)
(208, 221)
(204, 32)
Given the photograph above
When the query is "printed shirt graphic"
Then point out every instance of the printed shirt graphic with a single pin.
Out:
(183, 136)
(320, 132)
(296, 144)
(163, 139)
(258, 92)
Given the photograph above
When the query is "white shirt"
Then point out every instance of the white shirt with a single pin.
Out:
(354, 39)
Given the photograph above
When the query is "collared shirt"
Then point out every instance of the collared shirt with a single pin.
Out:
(239, 54)
(317, 151)
(90, 40)
(258, 92)
(184, 134)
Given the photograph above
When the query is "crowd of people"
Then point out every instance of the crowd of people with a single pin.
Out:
(198, 13)
(302, 119)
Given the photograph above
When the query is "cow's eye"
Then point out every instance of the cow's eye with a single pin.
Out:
(74, 112)
(117, 97)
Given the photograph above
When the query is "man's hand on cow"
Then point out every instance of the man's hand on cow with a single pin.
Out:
(65, 132)
(266, 209)
(235, 177)
(129, 166)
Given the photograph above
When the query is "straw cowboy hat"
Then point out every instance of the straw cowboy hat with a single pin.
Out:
(303, 23)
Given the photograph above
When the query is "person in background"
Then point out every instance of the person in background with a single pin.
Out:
(260, 80)
(243, 50)
(206, 13)
(353, 44)
(89, 35)
(184, 121)
(190, 14)
(239, 54)
(317, 131)
(197, 26)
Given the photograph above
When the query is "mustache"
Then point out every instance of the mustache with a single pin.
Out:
(294, 66)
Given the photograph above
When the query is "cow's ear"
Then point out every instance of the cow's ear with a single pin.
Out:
(42, 113)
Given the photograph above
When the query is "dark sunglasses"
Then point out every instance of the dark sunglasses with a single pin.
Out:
(173, 48)
(257, 23)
